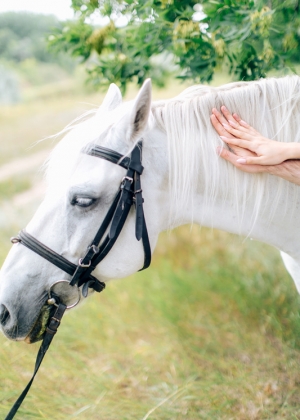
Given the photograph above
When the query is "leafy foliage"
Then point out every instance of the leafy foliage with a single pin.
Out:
(23, 36)
(255, 36)
(250, 37)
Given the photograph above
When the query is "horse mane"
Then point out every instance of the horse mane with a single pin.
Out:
(272, 106)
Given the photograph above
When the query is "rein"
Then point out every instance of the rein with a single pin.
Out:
(130, 192)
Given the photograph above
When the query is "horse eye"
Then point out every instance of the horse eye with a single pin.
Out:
(82, 201)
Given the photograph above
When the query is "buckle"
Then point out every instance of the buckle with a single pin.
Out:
(84, 265)
(94, 248)
(123, 182)
(127, 178)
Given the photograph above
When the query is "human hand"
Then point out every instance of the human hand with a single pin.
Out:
(258, 150)
(288, 170)
(235, 160)
(218, 120)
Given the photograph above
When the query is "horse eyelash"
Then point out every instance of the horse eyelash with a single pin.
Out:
(75, 202)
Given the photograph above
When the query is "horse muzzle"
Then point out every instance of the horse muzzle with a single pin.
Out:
(59, 292)
(31, 332)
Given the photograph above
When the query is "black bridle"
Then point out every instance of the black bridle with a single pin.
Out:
(130, 192)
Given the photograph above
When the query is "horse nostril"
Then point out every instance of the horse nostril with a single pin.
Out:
(4, 314)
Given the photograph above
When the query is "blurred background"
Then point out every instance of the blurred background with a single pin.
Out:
(211, 329)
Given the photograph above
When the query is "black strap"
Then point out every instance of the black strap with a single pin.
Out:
(117, 220)
(130, 192)
(50, 332)
(53, 257)
(147, 247)
(87, 265)
(114, 157)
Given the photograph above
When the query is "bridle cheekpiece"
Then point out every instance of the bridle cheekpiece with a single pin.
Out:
(129, 193)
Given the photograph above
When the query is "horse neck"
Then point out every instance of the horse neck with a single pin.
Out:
(222, 197)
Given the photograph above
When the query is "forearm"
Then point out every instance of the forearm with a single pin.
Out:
(288, 170)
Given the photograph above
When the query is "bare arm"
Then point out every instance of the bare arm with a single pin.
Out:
(288, 170)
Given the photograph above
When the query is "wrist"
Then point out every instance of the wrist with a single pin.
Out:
(292, 151)
(273, 169)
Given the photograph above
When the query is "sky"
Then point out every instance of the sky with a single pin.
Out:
(60, 8)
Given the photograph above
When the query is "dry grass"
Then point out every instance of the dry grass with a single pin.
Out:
(209, 332)
(47, 111)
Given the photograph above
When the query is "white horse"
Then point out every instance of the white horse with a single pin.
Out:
(184, 181)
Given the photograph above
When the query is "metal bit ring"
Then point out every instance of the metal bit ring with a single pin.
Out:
(51, 300)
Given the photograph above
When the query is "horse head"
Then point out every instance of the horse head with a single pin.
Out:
(80, 191)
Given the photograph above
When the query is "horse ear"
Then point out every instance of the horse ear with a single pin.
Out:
(139, 115)
(113, 98)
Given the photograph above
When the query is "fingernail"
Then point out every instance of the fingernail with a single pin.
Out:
(226, 126)
(224, 107)
(219, 150)
(241, 160)
(232, 123)
(224, 138)
(243, 122)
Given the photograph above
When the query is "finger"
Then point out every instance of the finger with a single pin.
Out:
(228, 115)
(219, 127)
(240, 121)
(239, 132)
(242, 143)
(237, 118)
(219, 116)
(245, 144)
(235, 121)
(244, 123)
(229, 128)
(261, 160)
(241, 125)
(240, 151)
(225, 122)
(232, 158)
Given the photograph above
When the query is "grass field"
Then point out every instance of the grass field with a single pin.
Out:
(210, 331)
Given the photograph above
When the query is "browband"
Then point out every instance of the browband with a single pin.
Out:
(114, 157)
